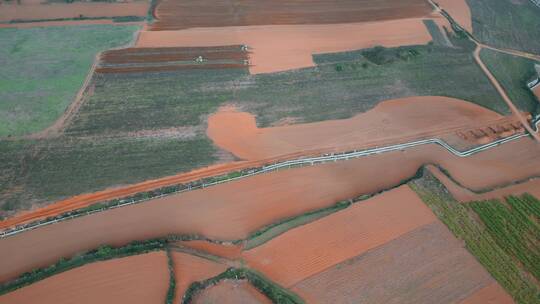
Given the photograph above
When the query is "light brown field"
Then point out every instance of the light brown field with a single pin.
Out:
(536, 92)
(425, 264)
(459, 10)
(392, 121)
(491, 294)
(284, 47)
(137, 279)
(312, 248)
(71, 10)
(231, 292)
(189, 269)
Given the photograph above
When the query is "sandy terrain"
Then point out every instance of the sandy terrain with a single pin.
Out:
(233, 210)
(71, 10)
(312, 248)
(392, 121)
(231, 292)
(137, 279)
(174, 15)
(464, 195)
(284, 47)
(226, 251)
(425, 264)
(491, 294)
(189, 269)
(459, 10)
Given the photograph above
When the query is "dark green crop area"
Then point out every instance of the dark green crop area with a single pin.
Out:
(492, 240)
(515, 226)
(342, 85)
(43, 68)
(507, 24)
(513, 73)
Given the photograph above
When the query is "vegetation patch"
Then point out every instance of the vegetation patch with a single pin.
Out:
(514, 224)
(42, 71)
(274, 292)
(507, 24)
(460, 219)
(171, 292)
(513, 73)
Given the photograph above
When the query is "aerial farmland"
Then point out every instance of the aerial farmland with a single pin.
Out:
(295, 152)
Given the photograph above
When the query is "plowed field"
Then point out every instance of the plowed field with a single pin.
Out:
(492, 294)
(284, 47)
(189, 269)
(231, 292)
(312, 248)
(393, 121)
(176, 14)
(425, 264)
(137, 279)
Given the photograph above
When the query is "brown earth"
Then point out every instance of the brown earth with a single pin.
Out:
(176, 14)
(536, 92)
(71, 10)
(137, 279)
(226, 251)
(491, 294)
(459, 10)
(189, 269)
(284, 47)
(235, 209)
(425, 264)
(231, 292)
(464, 195)
(312, 248)
(392, 121)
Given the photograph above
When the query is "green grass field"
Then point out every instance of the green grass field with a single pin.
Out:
(342, 85)
(480, 239)
(507, 24)
(43, 69)
(513, 72)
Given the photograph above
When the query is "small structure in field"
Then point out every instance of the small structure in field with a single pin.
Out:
(534, 84)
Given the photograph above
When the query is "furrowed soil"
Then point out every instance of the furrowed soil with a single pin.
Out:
(425, 264)
(189, 269)
(459, 10)
(134, 279)
(175, 15)
(231, 292)
(393, 121)
(285, 47)
(492, 294)
(233, 210)
(71, 10)
(312, 248)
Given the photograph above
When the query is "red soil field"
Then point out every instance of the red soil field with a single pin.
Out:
(226, 251)
(312, 248)
(189, 269)
(536, 92)
(459, 10)
(137, 279)
(231, 292)
(235, 209)
(425, 264)
(491, 294)
(284, 47)
(464, 195)
(392, 121)
(71, 10)
(182, 14)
